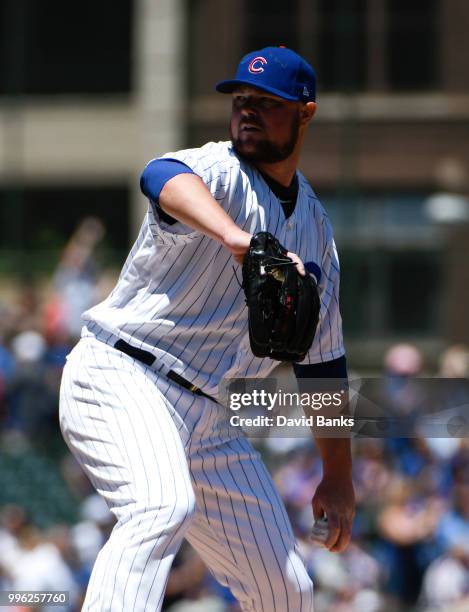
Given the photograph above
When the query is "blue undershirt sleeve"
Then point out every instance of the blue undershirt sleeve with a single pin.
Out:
(337, 368)
(157, 173)
(328, 376)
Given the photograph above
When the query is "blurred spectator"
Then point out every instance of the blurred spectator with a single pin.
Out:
(446, 580)
(372, 474)
(389, 406)
(39, 566)
(403, 360)
(74, 282)
(296, 482)
(12, 520)
(347, 582)
(454, 362)
(28, 561)
(406, 522)
(186, 585)
(453, 529)
(7, 363)
(90, 534)
(28, 347)
(32, 405)
(7, 369)
(402, 397)
(25, 313)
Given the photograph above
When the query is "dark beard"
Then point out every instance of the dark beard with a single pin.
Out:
(267, 152)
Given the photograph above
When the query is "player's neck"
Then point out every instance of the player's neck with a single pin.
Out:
(282, 172)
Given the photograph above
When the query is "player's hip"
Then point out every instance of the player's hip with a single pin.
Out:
(99, 379)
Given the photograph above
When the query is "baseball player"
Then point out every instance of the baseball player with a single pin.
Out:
(138, 402)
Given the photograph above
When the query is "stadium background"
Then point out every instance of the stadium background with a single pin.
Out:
(88, 94)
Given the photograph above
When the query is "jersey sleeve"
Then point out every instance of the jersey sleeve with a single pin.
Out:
(207, 162)
(210, 165)
(328, 342)
(157, 173)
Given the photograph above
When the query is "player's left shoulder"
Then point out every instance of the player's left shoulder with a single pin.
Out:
(221, 152)
(209, 158)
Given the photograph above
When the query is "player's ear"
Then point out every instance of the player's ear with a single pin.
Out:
(307, 112)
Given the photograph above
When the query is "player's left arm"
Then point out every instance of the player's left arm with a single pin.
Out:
(183, 196)
(334, 497)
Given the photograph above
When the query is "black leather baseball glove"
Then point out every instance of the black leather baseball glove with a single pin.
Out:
(283, 305)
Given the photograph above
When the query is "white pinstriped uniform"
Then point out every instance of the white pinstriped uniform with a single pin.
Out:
(160, 455)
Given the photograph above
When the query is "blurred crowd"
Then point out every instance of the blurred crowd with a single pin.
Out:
(38, 326)
(410, 547)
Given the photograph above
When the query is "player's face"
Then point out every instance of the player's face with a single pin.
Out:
(264, 128)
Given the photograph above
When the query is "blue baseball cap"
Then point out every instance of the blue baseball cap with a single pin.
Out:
(277, 70)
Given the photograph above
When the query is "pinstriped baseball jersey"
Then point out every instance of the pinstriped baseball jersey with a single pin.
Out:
(177, 296)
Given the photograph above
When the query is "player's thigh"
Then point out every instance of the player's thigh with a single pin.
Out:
(116, 422)
(242, 529)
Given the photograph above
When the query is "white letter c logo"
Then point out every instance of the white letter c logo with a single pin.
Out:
(257, 60)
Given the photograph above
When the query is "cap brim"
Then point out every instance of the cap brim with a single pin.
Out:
(230, 85)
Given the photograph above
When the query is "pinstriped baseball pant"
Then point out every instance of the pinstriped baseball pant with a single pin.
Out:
(168, 468)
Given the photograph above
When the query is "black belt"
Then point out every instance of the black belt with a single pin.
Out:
(148, 359)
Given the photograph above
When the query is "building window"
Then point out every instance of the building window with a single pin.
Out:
(341, 44)
(412, 44)
(65, 48)
(377, 44)
(270, 23)
(380, 296)
(386, 242)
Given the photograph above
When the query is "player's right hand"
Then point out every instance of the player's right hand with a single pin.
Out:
(237, 241)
